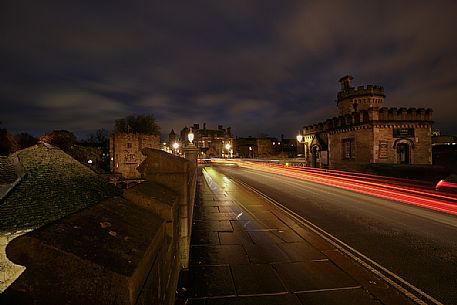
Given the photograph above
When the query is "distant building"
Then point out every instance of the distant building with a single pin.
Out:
(125, 152)
(212, 143)
(246, 147)
(444, 149)
(364, 132)
(264, 147)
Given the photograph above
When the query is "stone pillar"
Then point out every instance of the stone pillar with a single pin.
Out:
(191, 153)
(187, 210)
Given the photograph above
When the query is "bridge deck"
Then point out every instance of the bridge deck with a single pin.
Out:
(246, 251)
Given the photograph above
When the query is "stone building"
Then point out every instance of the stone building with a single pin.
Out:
(265, 147)
(365, 132)
(211, 143)
(246, 147)
(125, 152)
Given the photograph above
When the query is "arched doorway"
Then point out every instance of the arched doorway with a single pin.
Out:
(403, 153)
(315, 156)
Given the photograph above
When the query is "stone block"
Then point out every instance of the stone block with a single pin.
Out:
(101, 255)
(155, 197)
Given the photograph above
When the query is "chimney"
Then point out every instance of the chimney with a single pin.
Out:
(196, 127)
(219, 127)
(346, 82)
(204, 126)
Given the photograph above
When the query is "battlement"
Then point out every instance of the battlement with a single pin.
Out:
(382, 115)
(350, 99)
(360, 91)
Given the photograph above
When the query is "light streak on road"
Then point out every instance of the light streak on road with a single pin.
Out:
(395, 189)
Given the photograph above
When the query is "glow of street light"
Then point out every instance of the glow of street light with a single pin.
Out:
(299, 138)
(175, 145)
(227, 146)
(190, 136)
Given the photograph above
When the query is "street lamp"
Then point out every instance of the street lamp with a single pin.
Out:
(175, 147)
(190, 136)
(300, 152)
(227, 147)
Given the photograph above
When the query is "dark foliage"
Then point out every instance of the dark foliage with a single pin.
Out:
(145, 124)
(62, 139)
(25, 140)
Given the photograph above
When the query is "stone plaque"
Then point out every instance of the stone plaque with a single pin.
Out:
(403, 132)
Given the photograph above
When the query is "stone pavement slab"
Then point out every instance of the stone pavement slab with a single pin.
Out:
(284, 299)
(246, 278)
(338, 297)
(246, 251)
(208, 281)
(313, 275)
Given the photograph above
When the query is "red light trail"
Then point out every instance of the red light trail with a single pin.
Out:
(418, 193)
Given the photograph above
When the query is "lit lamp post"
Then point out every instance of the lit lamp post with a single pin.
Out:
(191, 151)
(175, 147)
(190, 137)
(227, 147)
(250, 151)
(299, 146)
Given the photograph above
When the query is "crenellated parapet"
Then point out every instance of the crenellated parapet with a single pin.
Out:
(361, 91)
(405, 114)
(350, 99)
(371, 116)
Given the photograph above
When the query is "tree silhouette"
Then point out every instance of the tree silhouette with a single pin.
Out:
(62, 139)
(145, 124)
(25, 140)
(8, 143)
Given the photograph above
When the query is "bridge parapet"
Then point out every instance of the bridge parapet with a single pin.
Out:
(122, 250)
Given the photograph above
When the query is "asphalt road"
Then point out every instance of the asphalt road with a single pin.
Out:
(417, 244)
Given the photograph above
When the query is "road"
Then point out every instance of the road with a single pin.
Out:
(416, 244)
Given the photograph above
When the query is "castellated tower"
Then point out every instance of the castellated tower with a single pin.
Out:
(350, 99)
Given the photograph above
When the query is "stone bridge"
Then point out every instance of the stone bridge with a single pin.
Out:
(126, 249)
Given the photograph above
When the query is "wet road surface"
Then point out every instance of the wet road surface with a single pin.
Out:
(416, 244)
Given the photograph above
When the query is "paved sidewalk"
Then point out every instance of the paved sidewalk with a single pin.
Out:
(246, 251)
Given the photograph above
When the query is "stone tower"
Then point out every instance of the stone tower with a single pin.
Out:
(350, 99)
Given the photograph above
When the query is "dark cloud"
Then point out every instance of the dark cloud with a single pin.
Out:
(258, 66)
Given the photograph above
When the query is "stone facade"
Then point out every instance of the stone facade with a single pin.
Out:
(125, 152)
(366, 133)
(265, 147)
(211, 143)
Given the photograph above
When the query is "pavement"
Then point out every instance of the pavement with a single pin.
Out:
(244, 250)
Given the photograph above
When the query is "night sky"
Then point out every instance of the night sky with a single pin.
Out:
(261, 67)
